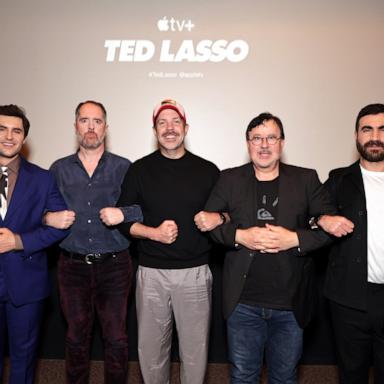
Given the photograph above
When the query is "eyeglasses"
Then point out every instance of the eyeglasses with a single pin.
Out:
(257, 140)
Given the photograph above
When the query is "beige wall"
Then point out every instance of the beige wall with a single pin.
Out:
(314, 64)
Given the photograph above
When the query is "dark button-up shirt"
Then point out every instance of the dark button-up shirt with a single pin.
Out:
(86, 196)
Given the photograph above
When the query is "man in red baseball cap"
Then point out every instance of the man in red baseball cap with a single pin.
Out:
(169, 104)
(173, 279)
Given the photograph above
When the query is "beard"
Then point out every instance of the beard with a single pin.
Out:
(374, 156)
(90, 141)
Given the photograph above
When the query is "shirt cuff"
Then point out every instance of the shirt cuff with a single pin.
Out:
(132, 213)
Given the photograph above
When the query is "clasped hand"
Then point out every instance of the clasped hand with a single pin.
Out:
(268, 239)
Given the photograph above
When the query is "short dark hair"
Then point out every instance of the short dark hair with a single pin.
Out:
(258, 120)
(15, 111)
(370, 109)
(101, 106)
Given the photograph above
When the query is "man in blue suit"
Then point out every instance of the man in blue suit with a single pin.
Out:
(26, 193)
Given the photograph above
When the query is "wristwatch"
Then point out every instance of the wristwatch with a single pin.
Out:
(314, 222)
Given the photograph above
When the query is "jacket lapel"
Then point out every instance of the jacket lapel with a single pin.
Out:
(355, 177)
(250, 197)
(287, 192)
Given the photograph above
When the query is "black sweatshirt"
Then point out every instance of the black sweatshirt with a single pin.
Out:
(170, 189)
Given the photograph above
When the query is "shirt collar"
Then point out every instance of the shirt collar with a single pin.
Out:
(14, 165)
(76, 159)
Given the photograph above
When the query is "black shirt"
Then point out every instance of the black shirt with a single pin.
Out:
(170, 189)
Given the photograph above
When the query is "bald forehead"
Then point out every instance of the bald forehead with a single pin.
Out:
(90, 109)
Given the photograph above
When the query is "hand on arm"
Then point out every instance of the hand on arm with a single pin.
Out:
(60, 219)
(280, 239)
(252, 238)
(207, 221)
(111, 216)
(165, 233)
(7, 240)
(336, 225)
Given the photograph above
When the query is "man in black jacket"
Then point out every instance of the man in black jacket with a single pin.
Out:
(267, 271)
(355, 276)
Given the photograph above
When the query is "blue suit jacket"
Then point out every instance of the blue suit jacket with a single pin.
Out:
(25, 272)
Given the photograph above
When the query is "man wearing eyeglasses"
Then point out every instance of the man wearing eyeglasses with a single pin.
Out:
(267, 270)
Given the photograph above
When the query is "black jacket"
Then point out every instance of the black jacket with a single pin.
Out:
(301, 196)
(346, 279)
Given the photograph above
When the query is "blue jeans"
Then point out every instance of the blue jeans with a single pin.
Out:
(253, 330)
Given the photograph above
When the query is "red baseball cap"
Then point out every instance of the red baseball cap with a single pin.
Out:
(169, 104)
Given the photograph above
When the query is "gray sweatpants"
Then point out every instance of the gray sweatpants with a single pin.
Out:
(182, 294)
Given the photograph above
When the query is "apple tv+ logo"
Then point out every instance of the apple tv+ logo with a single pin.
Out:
(174, 25)
(169, 52)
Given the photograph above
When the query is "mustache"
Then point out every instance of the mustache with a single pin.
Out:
(170, 133)
(376, 143)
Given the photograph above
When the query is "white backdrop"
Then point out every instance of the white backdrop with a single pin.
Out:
(312, 63)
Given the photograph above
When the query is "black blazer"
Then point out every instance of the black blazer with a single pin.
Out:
(301, 196)
(346, 279)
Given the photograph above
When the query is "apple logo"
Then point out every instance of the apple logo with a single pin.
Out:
(162, 24)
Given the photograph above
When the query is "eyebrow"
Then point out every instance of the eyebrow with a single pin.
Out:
(173, 118)
(370, 126)
(90, 118)
(4, 126)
